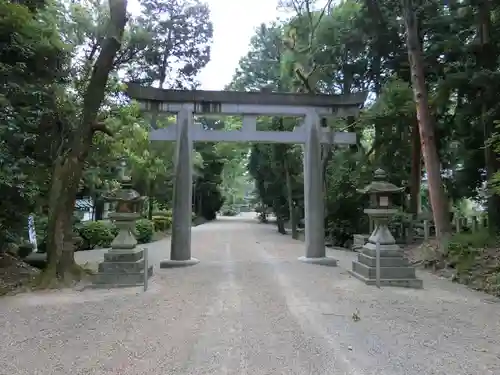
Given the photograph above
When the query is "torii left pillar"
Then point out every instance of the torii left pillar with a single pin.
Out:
(314, 195)
(180, 246)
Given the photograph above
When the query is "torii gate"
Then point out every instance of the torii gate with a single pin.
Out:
(185, 104)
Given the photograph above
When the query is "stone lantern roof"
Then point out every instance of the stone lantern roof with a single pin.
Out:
(125, 193)
(380, 185)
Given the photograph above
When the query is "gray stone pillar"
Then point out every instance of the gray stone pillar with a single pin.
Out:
(180, 248)
(314, 195)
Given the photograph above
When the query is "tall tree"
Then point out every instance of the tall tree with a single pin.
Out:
(180, 34)
(32, 60)
(439, 200)
(69, 165)
(487, 57)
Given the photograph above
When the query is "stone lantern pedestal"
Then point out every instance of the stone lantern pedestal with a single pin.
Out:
(395, 269)
(124, 263)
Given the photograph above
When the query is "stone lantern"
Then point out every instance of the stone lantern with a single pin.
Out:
(395, 270)
(124, 263)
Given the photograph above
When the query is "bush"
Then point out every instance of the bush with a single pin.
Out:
(165, 213)
(474, 259)
(25, 249)
(96, 234)
(229, 211)
(479, 239)
(162, 223)
(144, 230)
(100, 234)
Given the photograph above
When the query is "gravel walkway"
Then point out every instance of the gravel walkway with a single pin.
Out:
(251, 308)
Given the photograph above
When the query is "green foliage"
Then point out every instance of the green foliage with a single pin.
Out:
(475, 259)
(167, 213)
(25, 249)
(180, 34)
(99, 234)
(476, 240)
(228, 211)
(162, 223)
(31, 56)
(96, 234)
(144, 230)
(207, 195)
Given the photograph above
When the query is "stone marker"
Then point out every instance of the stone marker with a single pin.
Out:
(395, 269)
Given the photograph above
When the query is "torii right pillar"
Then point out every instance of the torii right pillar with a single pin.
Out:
(314, 195)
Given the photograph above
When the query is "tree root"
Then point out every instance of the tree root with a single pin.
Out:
(51, 279)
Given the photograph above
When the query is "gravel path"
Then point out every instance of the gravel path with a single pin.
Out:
(251, 308)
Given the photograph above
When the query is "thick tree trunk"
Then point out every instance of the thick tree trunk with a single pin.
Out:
(98, 208)
(426, 123)
(60, 237)
(291, 208)
(68, 168)
(416, 170)
(280, 222)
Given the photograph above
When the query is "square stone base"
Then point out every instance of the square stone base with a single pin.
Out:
(395, 270)
(122, 269)
(402, 283)
(359, 241)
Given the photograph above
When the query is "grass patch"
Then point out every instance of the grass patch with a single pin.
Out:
(473, 258)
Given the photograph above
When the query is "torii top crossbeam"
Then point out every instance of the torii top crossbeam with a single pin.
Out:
(249, 105)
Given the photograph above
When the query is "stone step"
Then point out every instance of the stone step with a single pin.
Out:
(385, 272)
(372, 252)
(124, 255)
(402, 283)
(121, 267)
(125, 279)
(384, 261)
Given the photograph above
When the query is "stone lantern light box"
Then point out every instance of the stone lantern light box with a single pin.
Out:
(380, 191)
(395, 270)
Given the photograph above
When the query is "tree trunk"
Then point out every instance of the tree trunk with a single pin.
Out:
(439, 201)
(60, 246)
(487, 60)
(150, 200)
(280, 224)
(98, 208)
(68, 168)
(293, 213)
(416, 170)
(278, 211)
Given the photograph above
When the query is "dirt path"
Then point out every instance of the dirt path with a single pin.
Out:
(250, 307)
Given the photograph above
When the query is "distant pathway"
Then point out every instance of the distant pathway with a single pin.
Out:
(251, 308)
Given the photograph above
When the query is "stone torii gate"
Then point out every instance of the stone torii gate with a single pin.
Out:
(249, 105)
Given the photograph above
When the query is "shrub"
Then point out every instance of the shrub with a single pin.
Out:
(41, 233)
(96, 234)
(144, 230)
(228, 211)
(25, 249)
(479, 239)
(164, 213)
(162, 223)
